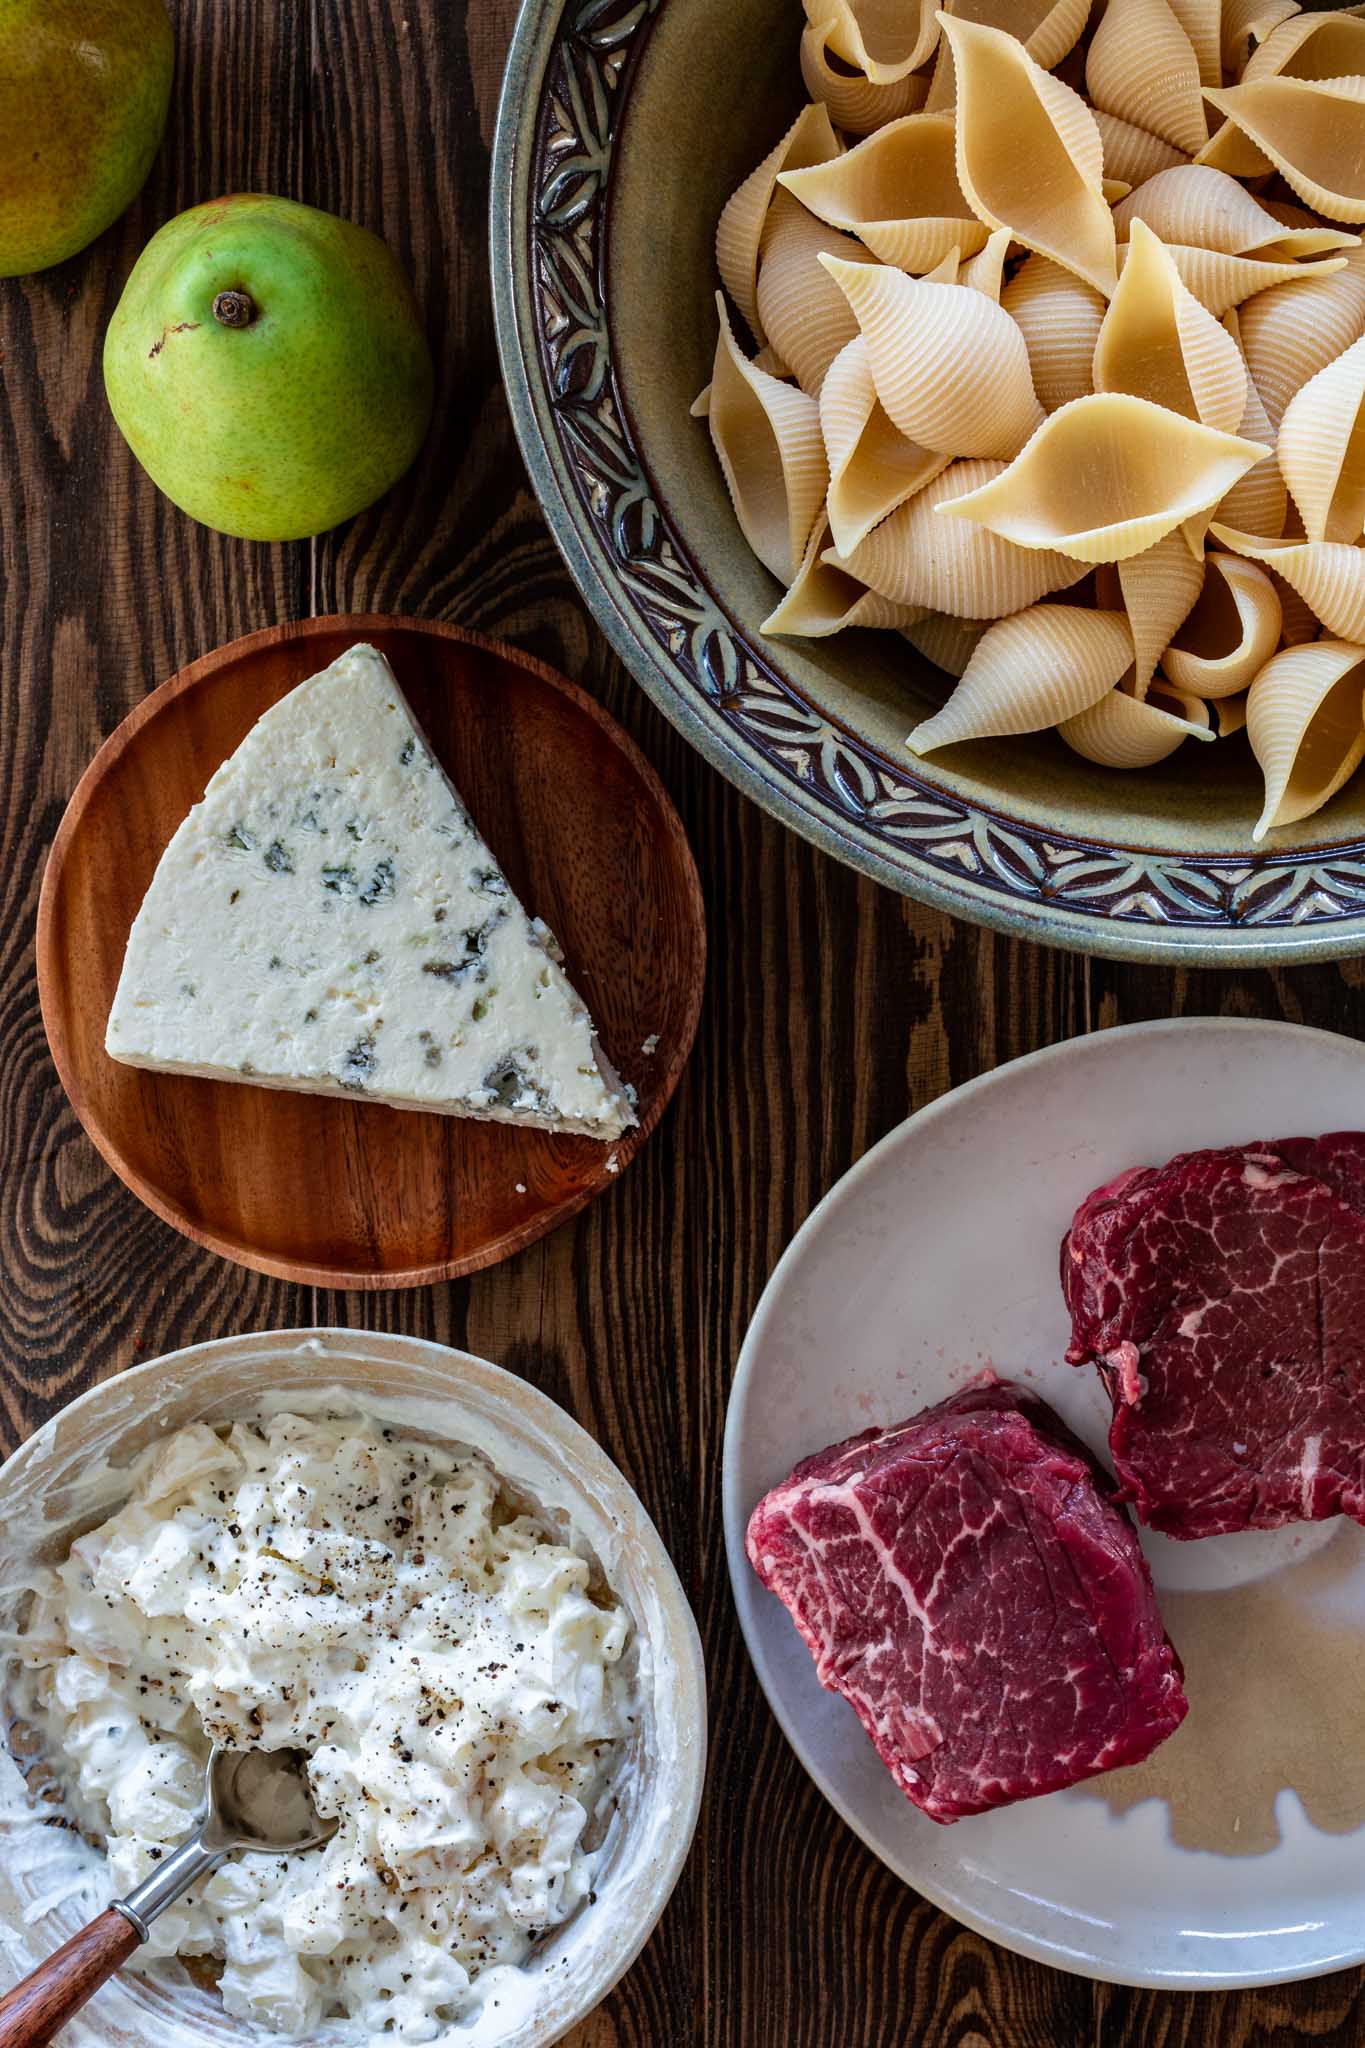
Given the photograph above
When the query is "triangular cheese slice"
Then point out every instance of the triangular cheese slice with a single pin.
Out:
(327, 918)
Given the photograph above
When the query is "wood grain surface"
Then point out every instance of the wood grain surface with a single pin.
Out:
(832, 1009)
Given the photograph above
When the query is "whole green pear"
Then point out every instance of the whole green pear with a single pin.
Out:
(84, 86)
(267, 366)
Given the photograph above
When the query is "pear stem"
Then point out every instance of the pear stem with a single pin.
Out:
(234, 309)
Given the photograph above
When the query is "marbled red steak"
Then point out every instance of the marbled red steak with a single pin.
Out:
(966, 1583)
(1222, 1298)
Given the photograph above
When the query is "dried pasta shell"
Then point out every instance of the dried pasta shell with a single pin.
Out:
(1328, 575)
(1313, 131)
(1322, 448)
(949, 643)
(767, 436)
(1205, 209)
(804, 314)
(1133, 153)
(1029, 672)
(1220, 282)
(1202, 21)
(809, 140)
(872, 467)
(854, 103)
(1288, 335)
(1142, 66)
(885, 39)
(1048, 30)
(1246, 22)
(952, 566)
(1227, 149)
(912, 329)
(1306, 729)
(1230, 634)
(1257, 501)
(1330, 45)
(1159, 343)
(1124, 732)
(986, 271)
(1107, 477)
(898, 192)
(1060, 319)
(1229, 716)
(823, 600)
(1157, 589)
(1010, 112)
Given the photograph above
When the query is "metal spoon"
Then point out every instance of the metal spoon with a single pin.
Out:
(254, 1799)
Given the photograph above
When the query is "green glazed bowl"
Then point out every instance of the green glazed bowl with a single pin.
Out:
(624, 125)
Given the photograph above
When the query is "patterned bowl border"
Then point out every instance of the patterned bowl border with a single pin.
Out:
(567, 81)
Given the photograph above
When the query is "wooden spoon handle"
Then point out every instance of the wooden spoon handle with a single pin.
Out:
(32, 2013)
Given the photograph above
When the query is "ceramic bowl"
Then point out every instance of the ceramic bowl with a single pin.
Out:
(71, 1474)
(624, 126)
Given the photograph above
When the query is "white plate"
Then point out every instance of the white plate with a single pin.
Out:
(1237, 1854)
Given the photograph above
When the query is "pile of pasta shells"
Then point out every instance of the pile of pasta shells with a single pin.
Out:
(1042, 343)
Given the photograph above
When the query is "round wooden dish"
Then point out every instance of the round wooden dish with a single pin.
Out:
(344, 1194)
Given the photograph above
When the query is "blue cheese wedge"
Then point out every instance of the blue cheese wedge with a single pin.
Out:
(328, 918)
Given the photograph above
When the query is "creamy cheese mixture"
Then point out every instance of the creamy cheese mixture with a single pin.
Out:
(456, 1674)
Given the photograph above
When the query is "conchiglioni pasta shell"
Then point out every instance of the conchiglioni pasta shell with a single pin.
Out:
(949, 643)
(952, 566)
(1048, 29)
(1205, 209)
(1202, 21)
(885, 39)
(1313, 131)
(1231, 632)
(986, 272)
(1220, 282)
(1060, 319)
(898, 192)
(1125, 732)
(1142, 66)
(767, 436)
(1306, 729)
(1330, 45)
(1133, 153)
(1159, 343)
(1010, 113)
(805, 315)
(1029, 672)
(1227, 149)
(1107, 477)
(1229, 716)
(809, 140)
(1328, 575)
(824, 600)
(1249, 21)
(872, 467)
(1257, 501)
(1157, 589)
(1322, 448)
(913, 329)
(1306, 235)
(855, 104)
(1289, 334)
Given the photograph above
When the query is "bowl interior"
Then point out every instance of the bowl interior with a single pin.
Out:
(72, 1473)
(705, 103)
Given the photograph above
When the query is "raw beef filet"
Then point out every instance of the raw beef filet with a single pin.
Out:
(1222, 1298)
(965, 1582)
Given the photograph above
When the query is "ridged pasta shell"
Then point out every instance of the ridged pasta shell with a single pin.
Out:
(1029, 672)
(1205, 209)
(1311, 236)
(1322, 448)
(1229, 716)
(1157, 589)
(1330, 45)
(824, 600)
(1012, 112)
(1305, 724)
(1142, 66)
(1288, 335)
(1249, 21)
(767, 436)
(986, 272)
(1107, 477)
(949, 643)
(1313, 131)
(1202, 21)
(1060, 319)
(872, 467)
(809, 140)
(898, 192)
(805, 315)
(855, 104)
(912, 329)
(1133, 153)
(1048, 29)
(1220, 282)
(885, 39)
(1328, 575)
(1125, 732)
(1227, 149)
(1159, 343)
(1230, 634)
(1257, 501)
(952, 566)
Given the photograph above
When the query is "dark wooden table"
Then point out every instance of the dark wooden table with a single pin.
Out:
(833, 1009)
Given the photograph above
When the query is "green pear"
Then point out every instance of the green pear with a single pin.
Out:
(267, 366)
(84, 86)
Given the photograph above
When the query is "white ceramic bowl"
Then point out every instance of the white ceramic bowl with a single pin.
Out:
(72, 1472)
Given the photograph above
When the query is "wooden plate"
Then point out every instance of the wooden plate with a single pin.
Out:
(342, 1194)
